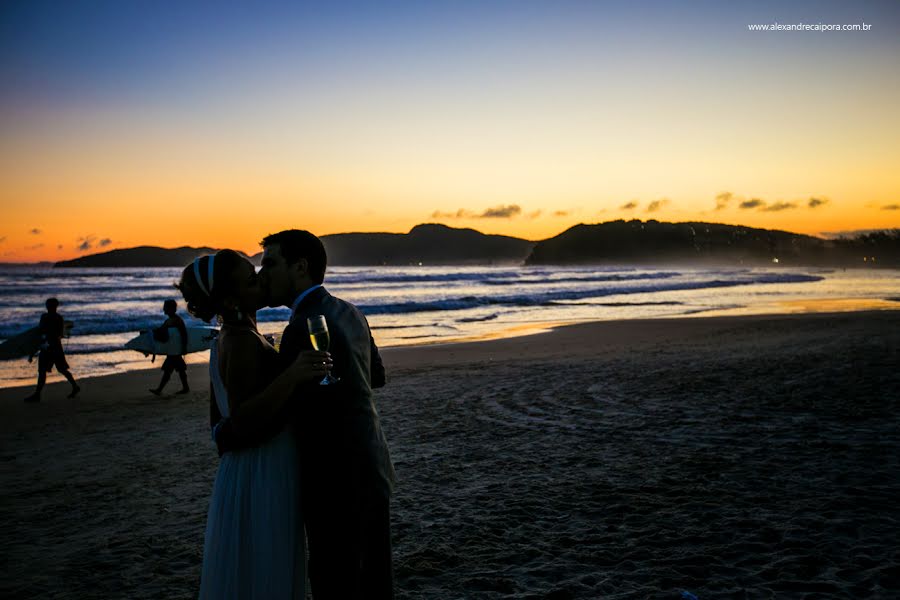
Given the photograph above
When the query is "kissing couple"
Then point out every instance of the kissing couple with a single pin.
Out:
(304, 463)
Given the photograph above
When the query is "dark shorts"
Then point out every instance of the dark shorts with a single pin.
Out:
(50, 357)
(174, 363)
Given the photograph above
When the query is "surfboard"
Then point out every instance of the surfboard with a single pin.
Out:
(27, 343)
(198, 340)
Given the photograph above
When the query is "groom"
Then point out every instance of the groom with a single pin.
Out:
(346, 471)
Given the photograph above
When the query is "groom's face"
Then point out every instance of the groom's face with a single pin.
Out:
(277, 277)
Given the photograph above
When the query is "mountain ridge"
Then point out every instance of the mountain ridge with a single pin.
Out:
(620, 242)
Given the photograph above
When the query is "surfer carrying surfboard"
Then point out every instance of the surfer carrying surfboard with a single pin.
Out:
(173, 362)
(51, 353)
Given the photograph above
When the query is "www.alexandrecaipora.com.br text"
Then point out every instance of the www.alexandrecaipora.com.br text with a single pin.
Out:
(826, 27)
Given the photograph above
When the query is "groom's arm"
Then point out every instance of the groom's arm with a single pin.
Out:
(377, 368)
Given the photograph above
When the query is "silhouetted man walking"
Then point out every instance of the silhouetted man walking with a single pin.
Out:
(51, 354)
(175, 362)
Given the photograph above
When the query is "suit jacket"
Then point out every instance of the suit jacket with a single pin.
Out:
(338, 425)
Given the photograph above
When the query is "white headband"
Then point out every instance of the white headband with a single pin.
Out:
(209, 271)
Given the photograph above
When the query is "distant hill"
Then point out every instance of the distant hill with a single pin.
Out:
(426, 244)
(614, 242)
(429, 244)
(655, 242)
(142, 256)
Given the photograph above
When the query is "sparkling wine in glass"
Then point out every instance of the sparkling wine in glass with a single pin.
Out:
(318, 335)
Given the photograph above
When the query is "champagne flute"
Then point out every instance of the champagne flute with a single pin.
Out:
(318, 335)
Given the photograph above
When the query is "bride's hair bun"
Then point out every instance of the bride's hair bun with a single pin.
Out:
(204, 291)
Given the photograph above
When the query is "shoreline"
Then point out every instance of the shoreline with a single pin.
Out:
(467, 344)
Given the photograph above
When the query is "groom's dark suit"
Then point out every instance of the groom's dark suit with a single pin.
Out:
(346, 471)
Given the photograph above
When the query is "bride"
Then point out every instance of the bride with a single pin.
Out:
(254, 545)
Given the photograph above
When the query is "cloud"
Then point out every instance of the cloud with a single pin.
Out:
(561, 213)
(629, 206)
(752, 203)
(501, 212)
(535, 214)
(2, 239)
(891, 207)
(816, 202)
(460, 214)
(496, 212)
(779, 206)
(723, 199)
(86, 243)
(59, 246)
(657, 204)
(35, 231)
(35, 247)
(105, 242)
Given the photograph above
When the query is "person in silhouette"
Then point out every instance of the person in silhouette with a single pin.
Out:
(51, 352)
(173, 362)
(345, 464)
(255, 544)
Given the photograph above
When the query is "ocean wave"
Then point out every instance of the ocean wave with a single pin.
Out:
(487, 276)
(136, 305)
(549, 297)
(490, 317)
(585, 279)
(614, 304)
(136, 315)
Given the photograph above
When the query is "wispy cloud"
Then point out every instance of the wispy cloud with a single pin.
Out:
(561, 213)
(657, 204)
(36, 231)
(779, 206)
(2, 239)
(496, 212)
(752, 203)
(891, 207)
(86, 243)
(535, 214)
(59, 246)
(105, 242)
(502, 212)
(723, 199)
(460, 214)
(35, 247)
(629, 205)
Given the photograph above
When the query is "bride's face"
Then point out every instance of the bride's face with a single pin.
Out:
(248, 293)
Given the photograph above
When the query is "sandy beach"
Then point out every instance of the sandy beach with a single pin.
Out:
(732, 457)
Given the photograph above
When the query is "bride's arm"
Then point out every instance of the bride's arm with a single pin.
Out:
(253, 402)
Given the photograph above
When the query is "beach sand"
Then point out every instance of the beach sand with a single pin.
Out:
(736, 457)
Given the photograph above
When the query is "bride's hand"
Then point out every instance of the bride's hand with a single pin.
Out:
(311, 365)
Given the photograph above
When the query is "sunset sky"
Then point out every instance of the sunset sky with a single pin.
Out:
(174, 123)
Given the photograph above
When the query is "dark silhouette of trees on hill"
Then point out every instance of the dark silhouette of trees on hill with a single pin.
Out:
(654, 242)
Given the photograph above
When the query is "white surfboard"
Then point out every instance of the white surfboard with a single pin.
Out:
(199, 339)
(27, 343)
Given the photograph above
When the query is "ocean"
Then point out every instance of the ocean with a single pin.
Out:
(418, 305)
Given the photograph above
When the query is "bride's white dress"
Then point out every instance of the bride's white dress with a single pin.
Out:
(255, 545)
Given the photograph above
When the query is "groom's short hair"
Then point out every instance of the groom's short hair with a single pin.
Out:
(296, 244)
